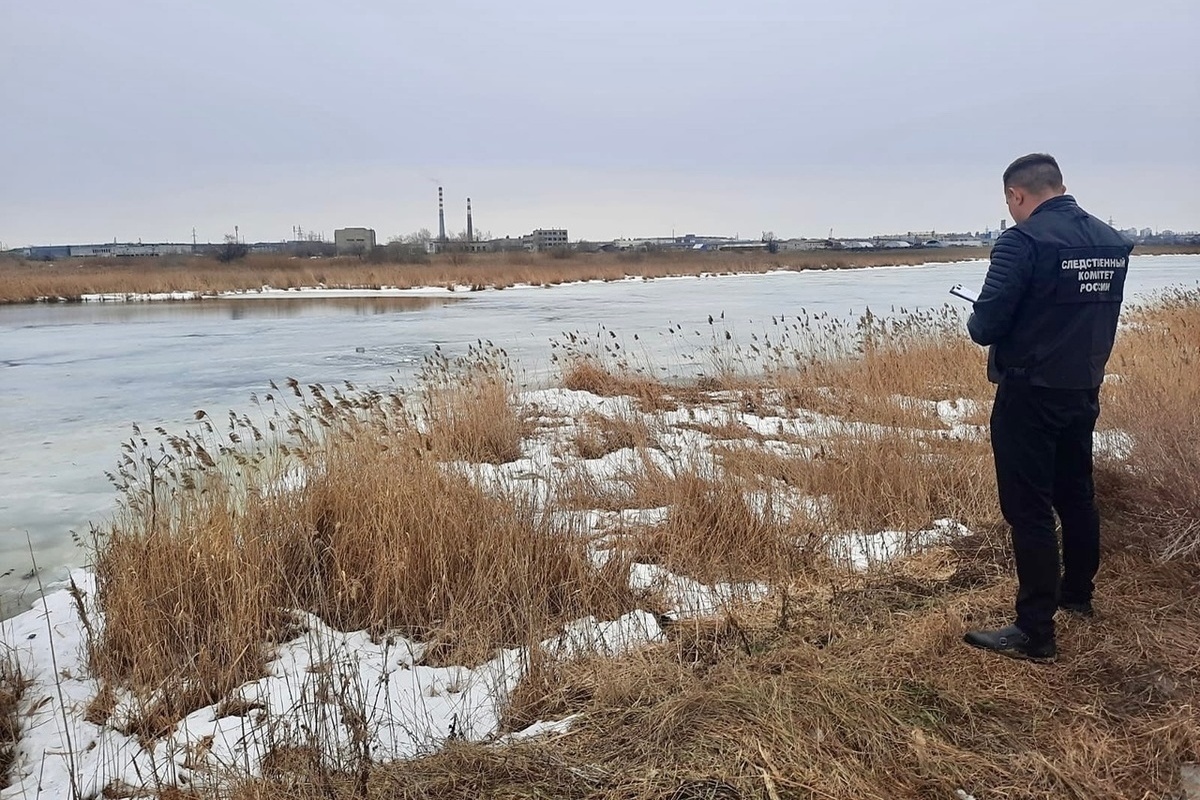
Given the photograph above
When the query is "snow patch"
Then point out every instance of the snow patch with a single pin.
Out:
(347, 694)
(862, 551)
(691, 598)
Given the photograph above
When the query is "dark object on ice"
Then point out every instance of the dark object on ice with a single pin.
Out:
(1012, 642)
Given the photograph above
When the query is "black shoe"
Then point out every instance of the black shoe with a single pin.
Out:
(1012, 642)
(1083, 609)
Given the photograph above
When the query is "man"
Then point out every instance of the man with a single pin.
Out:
(1048, 313)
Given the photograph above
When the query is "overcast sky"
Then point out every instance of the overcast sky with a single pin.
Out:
(143, 120)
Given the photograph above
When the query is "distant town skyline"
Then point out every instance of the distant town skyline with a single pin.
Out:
(620, 120)
(526, 215)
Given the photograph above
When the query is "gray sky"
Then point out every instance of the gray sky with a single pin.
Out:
(133, 120)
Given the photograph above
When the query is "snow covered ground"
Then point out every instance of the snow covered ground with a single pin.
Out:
(325, 688)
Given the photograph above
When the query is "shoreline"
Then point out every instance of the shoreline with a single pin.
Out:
(183, 280)
(187, 280)
(274, 293)
(457, 291)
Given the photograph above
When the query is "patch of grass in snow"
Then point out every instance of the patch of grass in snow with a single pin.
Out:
(586, 373)
(599, 435)
(848, 404)
(12, 691)
(214, 548)
(715, 529)
(855, 689)
(878, 479)
(470, 407)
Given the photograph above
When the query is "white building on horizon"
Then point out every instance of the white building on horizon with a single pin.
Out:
(349, 241)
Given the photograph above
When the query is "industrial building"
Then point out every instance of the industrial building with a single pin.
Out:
(362, 241)
(546, 239)
(107, 250)
(540, 240)
(353, 241)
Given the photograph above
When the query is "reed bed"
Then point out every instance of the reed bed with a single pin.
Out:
(601, 435)
(841, 683)
(23, 281)
(470, 407)
(12, 691)
(1154, 399)
(69, 280)
(216, 546)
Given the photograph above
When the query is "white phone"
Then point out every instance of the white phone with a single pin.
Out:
(958, 291)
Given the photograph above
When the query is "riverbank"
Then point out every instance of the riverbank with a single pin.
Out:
(752, 584)
(185, 277)
(24, 281)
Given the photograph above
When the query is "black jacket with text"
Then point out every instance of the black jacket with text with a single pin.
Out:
(1050, 302)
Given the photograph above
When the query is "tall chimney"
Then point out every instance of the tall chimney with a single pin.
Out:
(470, 227)
(441, 218)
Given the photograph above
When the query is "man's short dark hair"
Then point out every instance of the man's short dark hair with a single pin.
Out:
(1036, 172)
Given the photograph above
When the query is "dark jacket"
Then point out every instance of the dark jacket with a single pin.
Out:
(1051, 298)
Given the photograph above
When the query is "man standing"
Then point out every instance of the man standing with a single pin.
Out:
(1048, 312)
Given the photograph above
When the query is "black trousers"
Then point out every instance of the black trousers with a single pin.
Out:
(1042, 443)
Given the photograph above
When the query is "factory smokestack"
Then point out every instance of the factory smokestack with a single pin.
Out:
(470, 227)
(441, 218)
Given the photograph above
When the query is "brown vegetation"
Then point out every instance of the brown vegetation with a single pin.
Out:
(585, 373)
(12, 689)
(214, 546)
(864, 691)
(601, 435)
(29, 281)
(842, 684)
(1154, 398)
(24, 281)
(470, 409)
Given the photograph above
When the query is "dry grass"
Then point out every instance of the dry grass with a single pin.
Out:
(1156, 401)
(765, 512)
(27, 281)
(198, 573)
(917, 355)
(882, 480)
(715, 529)
(587, 373)
(841, 685)
(12, 690)
(471, 410)
(600, 434)
(862, 692)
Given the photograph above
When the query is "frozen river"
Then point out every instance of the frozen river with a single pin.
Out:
(74, 378)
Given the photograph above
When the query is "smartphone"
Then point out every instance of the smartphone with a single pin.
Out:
(958, 291)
